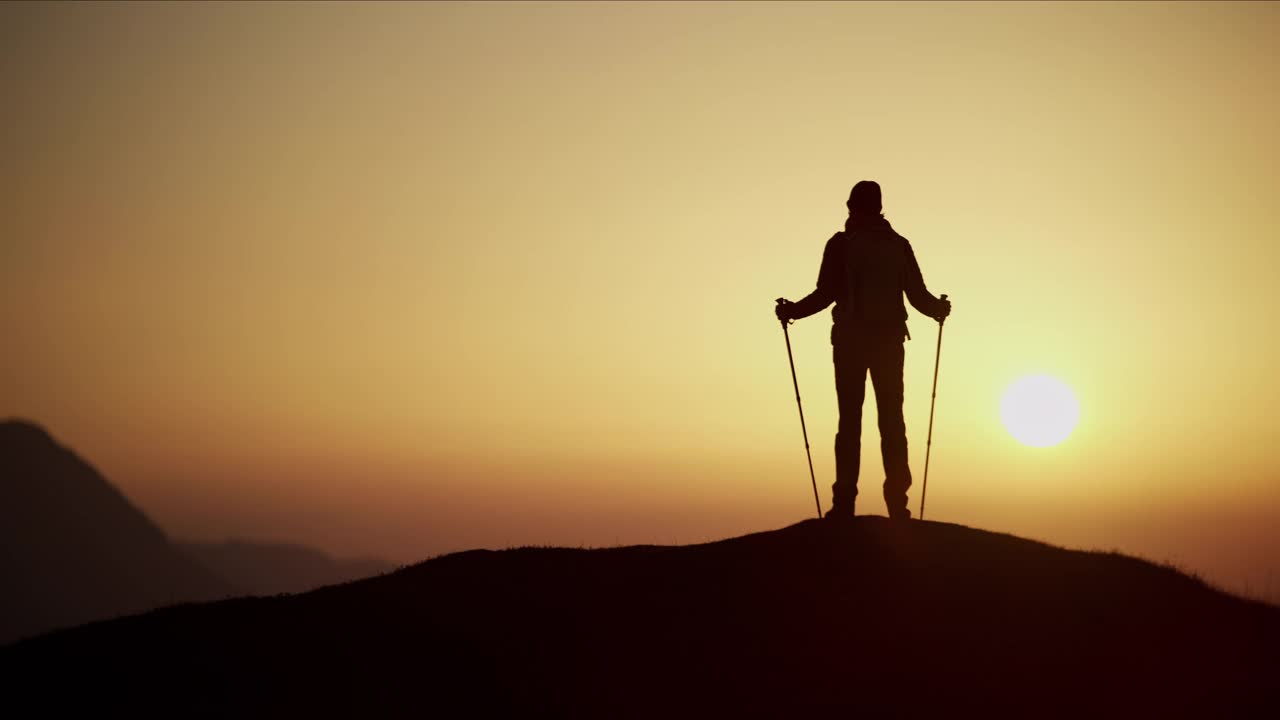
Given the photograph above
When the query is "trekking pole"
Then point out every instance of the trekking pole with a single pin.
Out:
(932, 400)
(795, 383)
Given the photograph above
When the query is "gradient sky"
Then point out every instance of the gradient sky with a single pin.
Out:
(404, 279)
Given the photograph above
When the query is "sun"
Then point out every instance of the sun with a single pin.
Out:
(1039, 410)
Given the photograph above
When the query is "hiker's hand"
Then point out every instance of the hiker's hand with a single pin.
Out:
(944, 309)
(783, 310)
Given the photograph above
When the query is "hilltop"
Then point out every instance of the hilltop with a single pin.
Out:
(873, 616)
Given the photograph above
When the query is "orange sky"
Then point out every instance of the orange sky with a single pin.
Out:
(402, 279)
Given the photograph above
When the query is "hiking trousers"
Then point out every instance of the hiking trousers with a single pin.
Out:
(855, 357)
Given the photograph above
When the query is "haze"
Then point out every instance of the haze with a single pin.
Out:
(403, 279)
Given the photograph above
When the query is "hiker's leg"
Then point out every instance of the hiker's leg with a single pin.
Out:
(851, 374)
(886, 378)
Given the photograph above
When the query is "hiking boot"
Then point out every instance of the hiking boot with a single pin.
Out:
(899, 513)
(839, 513)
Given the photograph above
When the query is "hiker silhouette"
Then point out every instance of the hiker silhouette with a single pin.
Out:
(865, 270)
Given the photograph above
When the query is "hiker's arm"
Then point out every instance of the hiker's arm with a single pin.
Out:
(920, 297)
(829, 276)
(814, 302)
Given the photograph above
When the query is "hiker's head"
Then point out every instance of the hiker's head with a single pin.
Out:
(864, 199)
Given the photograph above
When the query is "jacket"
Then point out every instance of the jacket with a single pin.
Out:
(865, 271)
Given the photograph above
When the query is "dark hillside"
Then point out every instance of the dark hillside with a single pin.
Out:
(872, 617)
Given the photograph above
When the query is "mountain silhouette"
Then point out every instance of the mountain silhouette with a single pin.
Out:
(269, 569)
(867, 616)
(74, 549)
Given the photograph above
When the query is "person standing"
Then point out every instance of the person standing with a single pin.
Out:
(866, 269)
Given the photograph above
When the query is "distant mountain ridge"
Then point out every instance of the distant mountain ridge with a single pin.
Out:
(74, 549)
(269, 569)
(870, 618)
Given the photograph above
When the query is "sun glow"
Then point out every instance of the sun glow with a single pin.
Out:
(1039, 410)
